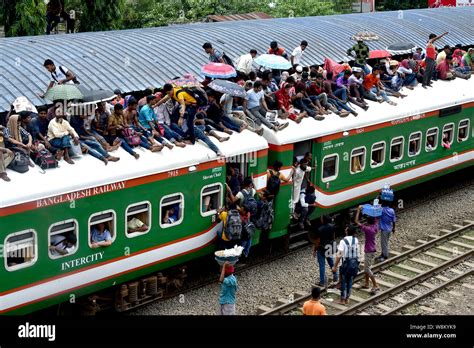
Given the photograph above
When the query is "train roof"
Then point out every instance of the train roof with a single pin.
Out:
(443, 94)
(89, 172)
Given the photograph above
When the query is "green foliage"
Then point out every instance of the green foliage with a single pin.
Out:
(24, 17)
(99, 15)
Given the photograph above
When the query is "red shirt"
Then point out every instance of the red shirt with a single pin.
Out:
(443, 69)
(371, 81)
(431, 51)
(314, 89)
(279, 52)
(283, 99)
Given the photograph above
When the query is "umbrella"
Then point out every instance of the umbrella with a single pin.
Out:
(273, 61)
(228, 87)
(188, 80)
(375, 54)
(218, 71)
(365, 36)
(400, 48)
(94, 96)
(23, 104)
(63, 92)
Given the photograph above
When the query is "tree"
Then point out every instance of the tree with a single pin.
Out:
(102, 15)
(24, 17)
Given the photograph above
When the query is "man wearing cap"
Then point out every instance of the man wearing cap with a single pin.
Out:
(361, 54)
(298, 53)
(298, 72)
(228, 289)
(442, 55)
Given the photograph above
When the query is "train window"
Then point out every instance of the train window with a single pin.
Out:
(102, 229)
(63, 239)
(357, 160)
(378, 154)
(330, 167)
(414, 144)
(431, 139)
(20, 250)
(448, 133)
(211, 199)
(463, 130)
(396, 149)
(171, 210)
(138, 219)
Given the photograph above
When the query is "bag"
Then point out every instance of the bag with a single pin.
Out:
(75, 150)
(227, 59)
(20, 163)
(197, 93)
(233, 226)
(74, 79)
(250, 203)
(248, 230)
(265, 219)
(131, 137)
(273, 183)
(350, 265)
(45, 159)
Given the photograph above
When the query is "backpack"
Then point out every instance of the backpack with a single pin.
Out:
(266, 216)
(20, 163)
(131, 137)
(73, 80)
(250, 203)
(273, 183)
(248, 230)
(227, 59)
(350, 265)
(197, 93)
(233, 226)
(45, 159)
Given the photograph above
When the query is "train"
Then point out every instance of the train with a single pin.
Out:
(427, 135)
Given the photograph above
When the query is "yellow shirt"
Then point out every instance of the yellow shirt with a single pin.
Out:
(188, 99)
(223, 218)
(58, 130)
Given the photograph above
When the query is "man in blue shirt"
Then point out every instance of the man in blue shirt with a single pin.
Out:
(228, 289)
(387, 227)
(214, 55)
(149, 121)
(100, 236)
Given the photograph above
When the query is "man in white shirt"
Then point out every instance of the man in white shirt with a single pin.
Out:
(298, 53)
(60, 133)
(62, 245)
(244, 62)
(59, 75)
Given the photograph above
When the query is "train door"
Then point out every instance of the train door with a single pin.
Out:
(302, 149)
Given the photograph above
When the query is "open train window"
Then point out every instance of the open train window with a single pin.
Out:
(63, 239)
(211, 199)
(357, 160)
(138, 219)
(330, 167)
(414, 144)
(431, 139)
(20, 250)
(463, 130)
(378, 154)
(448, 133)
(171, 210)
(102, 229)
(396, 149)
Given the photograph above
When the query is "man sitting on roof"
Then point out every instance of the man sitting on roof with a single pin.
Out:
(342, 83)
(214, 115)
(60, 133)
(6, 156)
(356, 89)
(373, 88)
(237, 116)
(115, 127)
(338, 98)
(256, 108)
(443, 54)
(148, 120)
(301, 99)
(446, 72)
(285, 106)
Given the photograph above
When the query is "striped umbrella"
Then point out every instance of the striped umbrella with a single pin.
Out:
(218, 71)
(273, 61)
(228, 87)
(63, 92)
(376, 54)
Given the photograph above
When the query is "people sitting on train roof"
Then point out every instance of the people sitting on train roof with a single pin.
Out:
(285, 106)
(237, 116)
(200, 130)
(386, 80)
(134, 224)
(468, 58)
(215, 117)
(118, 97)
(443, 54)
(337, 97)
(163, 113)
(115, 128)
(302, 100)
(90, 143)
(19, 139)
(256, 108)
(373, 88)
(62, 244)
(149, 123)
(6, 157)
(61, 135)
(458, 62)
(38, 127)
(418, 55)
(100, 236)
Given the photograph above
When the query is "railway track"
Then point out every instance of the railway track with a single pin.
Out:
(398, 276)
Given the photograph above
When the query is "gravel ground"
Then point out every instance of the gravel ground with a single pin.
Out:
(267, 283)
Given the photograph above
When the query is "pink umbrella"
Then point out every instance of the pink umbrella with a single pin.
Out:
(218, 71)
(376, 54)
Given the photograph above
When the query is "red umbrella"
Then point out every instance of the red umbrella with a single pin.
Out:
(376, 54)
(218, 71)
